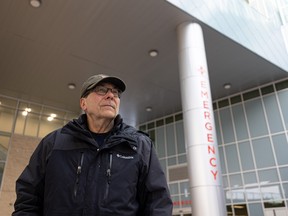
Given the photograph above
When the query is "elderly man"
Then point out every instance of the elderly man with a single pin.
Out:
(95, 165)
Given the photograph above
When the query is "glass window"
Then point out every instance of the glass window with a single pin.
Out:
(6, 118)
(228, 196)
(273, 114)
(20, 123)
(284, 173)
(285, 187)
(169, 119)
(235, 181)
(240, 210)
(281, 148)
(2, 164)
(172, 161)
(227, 126)
(4, 142)
(159, 122)
(246, 156)
(250, 178)
(222, 160)
(32, 125)
(170, 140)
(283, 95)
(251, 94)
(232, 158)
(24, 112)
(184, 188)
(253, 194)
(267, 90)
(174, 190)
(256, 118)
(218, 131)
(180, 137)
(263, 153)
(229, 210)
(176, 201)
(182, 159)
(225, 181)
(186, 201)
(160, 142)
(151, 125)
(268, 176)
(237, 195)
(255, 209)
(272, 204)
(47, 126)
(142, 128)
(240, 122)
(151, 134)
(271, 192)
(56, 114)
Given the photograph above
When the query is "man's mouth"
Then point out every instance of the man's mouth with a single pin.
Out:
(109, 105)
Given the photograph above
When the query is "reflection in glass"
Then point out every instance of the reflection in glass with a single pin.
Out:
(6, 119)
(271, 193)
(237, 195)
(253, 193)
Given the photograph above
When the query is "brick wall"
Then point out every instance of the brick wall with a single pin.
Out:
(20, 150)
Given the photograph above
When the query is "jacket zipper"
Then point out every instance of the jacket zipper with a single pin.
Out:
(108, 174)
(78, 172)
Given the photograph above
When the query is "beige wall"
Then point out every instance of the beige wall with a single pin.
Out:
(21, 148)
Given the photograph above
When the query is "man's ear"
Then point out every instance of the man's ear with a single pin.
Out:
(83, 104)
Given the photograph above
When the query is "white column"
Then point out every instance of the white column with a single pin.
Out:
(199, 127)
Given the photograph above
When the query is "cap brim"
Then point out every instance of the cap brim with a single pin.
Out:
(115, 81)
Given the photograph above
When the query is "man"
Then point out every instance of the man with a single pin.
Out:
(95, 165)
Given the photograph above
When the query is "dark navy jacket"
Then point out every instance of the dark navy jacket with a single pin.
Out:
(70, 174)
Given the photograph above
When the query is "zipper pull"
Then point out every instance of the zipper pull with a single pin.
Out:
(79, 170)
(108, 173)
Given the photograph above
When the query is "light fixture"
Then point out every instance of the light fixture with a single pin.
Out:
(26, 111)
(227, 86)
(35, 3)
(71, 86)
(148, 109)
(153, 53)
(51, 117)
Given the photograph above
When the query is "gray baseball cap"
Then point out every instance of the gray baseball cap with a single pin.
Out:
(92, 81)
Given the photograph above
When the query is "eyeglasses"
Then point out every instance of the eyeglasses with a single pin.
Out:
(102, 90)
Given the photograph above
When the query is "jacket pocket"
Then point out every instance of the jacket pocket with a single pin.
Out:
(78, 172)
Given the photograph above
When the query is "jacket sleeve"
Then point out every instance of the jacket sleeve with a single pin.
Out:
(154, 193)
(30, 184)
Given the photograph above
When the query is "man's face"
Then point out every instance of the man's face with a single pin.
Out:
(101, 106)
